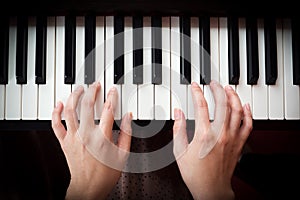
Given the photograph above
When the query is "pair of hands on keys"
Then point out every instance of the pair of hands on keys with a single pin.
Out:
(206, 163)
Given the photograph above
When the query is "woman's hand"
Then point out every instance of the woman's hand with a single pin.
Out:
(207, 169)
(90, 177)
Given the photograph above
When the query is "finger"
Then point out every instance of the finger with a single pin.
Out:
(221, 104)
(107, 115)
(201, 108)
(247, 125)
(70, 110)
(179, 134)
(124, 139)
(235, 107)
(87, 106)
(57, 126)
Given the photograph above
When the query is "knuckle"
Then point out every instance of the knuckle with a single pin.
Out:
(202, 103)
(87, 102)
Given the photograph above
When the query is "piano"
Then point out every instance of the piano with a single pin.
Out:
(151, 51)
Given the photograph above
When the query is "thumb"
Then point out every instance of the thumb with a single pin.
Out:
(179, 134)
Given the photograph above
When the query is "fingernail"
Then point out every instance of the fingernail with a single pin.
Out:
(194, 84)
(113, 89)
(130, 115)
(248, 106)
(228, 87)
(177, 114)
(79, 88)
(213, 82)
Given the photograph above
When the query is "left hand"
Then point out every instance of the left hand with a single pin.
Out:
(91, 178)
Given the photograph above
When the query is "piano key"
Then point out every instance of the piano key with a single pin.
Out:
(100, 44)
(129, 90)
(13, 90)
(204, 40)
(119, 50)
(137, 50)
(4, 37)
(233, 52)
(195, 63)
(243, 89)
(215, 64)
(41, 50)
(29, 90)
(2, 102)
(291, 91)
(156, 24)
(79, 55)
(109, 65)
(260, 90)
(276, 104)
(252, 51)
(270, 48)
(178, 90)
(90, 30)
(47, 90)
(146, 90)
(296, 51)
(223, 45)
(22, 36)
(162, 91)
(70, 49)
(185, 50)
(62, 90)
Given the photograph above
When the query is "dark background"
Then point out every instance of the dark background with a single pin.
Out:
(33, 166)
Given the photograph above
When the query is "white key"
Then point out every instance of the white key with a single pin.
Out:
(215, 64)
(276, 103)
(29, 90)
(80, 57)
(13, 91)
(162, 92)
(223, 51)
(291, 92)
(47, 91)
(62, 90)
(179, 91)
(100, 46)
(195, 63)
(2, 101)
(146, 90)
(243, 90)
(129, 90)
(109, 65)
(260, 91)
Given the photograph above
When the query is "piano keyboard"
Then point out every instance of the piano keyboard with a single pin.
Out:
(152, 65)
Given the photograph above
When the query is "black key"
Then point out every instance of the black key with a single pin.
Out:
(4, 37)
(233, 51)
(270, 51)
(185, 50)
(22, 41)
(204, 39)
(137, 50)
(90, 42)
(296, 51)
(252, 51)
(41, 50)
(119, 50)
(70, 49)
(156, 24)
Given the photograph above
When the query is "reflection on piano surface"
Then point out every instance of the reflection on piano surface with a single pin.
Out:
(151, 51)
